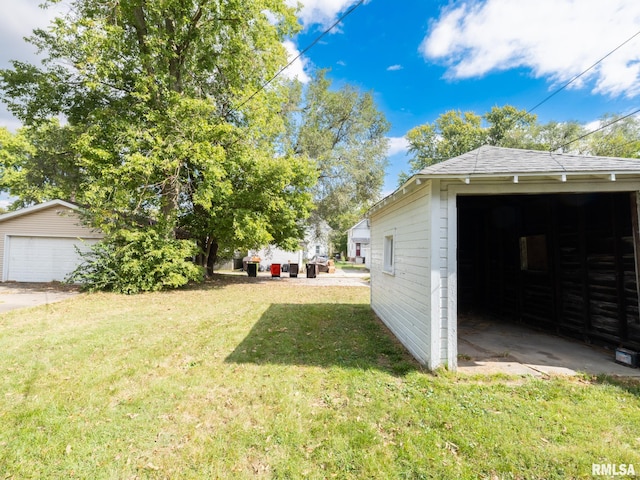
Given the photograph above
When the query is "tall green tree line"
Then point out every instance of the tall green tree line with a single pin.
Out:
(344, 134)
(454, 133)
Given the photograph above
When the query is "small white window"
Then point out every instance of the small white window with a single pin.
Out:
(317, 249)
(388, 254)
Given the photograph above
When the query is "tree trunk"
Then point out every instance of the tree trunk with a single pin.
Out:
(212, 257)
(209, 256)
(171, 197)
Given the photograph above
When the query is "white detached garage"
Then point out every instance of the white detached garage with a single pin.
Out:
(38, 243)
(547, 240)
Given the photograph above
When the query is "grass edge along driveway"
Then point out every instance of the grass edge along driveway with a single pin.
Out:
(242, 379)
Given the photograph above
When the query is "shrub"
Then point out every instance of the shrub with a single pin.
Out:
(137, 261)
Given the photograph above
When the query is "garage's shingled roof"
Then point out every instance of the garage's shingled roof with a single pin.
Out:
(489, 160)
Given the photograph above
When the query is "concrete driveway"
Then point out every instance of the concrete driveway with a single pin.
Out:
(487, 345)
(341, 278)
(20, 295)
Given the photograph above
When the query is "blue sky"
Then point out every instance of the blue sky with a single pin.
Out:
(421, 58)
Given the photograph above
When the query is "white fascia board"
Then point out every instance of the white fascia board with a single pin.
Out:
(468, 178)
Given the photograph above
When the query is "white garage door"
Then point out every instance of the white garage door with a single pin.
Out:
(42, 259)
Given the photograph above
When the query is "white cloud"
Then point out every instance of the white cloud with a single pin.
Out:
(18, 22)
(321, 12)
(556, 39)
(393, 68)
(297, 68)
(397, 145)
(4, 204)
(8, 121)
(591, 126)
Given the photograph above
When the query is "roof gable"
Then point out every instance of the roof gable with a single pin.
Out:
(36, 208)
(500, 161)
(361, 224)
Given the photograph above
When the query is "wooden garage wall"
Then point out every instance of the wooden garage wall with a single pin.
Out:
(55, 221)
(588, 289)
(596, 280)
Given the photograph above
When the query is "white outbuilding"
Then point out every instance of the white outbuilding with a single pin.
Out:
(544, 239)
(358, 239)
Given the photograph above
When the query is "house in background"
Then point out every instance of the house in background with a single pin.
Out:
(358, 238)
(315, 243)
(272, 254)
(317, 240)
(543, 239)
(38, 243)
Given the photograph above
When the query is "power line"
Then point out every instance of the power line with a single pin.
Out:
(581, 73)
(576, 77)
(594, 131)
(307, 48)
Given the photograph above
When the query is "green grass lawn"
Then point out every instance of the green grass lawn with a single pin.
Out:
(256, 378)
(350, 266)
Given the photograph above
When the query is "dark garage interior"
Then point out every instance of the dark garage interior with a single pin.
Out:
(563, 263)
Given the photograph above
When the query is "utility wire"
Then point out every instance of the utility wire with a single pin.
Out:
(594, 131)
(548, 97)
(581, 74)
(307, 48)
(576, 77)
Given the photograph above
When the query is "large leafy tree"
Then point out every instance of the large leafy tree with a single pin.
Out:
(454, 133)
(451, 134)
(344, 133)
(38, 164)
(560, 137)
(156, 133)
(617, 137)
(509, 127)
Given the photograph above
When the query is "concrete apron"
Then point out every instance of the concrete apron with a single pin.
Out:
(23, 295)
(487, 346)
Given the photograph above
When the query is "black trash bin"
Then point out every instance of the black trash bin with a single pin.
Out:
(293, 270)
(252, 269)
(311, 270)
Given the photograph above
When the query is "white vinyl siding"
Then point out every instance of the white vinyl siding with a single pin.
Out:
(402, 300)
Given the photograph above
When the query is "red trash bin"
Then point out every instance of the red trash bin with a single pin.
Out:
(275, 269)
